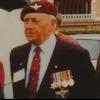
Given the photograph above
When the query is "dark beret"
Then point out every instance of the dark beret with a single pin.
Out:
(41, 6)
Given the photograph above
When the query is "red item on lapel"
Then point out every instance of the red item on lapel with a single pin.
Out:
(68, 38)
(1, 75)
(34, 73)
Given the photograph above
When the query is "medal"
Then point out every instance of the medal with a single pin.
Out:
(62, 93)
(65, 83)
(53, 77)
(65, 75)
(70, 76)
(53, 85)
(63, 79)
(58, 77)
(59, 84)
(71, 82)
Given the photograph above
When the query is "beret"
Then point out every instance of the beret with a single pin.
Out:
(42, 6)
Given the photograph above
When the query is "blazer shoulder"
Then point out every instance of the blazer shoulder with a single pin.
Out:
(71, 47)
(21, 48)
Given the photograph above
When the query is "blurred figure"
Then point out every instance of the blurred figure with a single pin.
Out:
(10, 5)
(67, 38)
(1, 80)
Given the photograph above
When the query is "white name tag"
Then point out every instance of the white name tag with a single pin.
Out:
(20, 75)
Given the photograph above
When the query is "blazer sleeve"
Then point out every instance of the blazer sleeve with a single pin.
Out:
(98, 66)
(98, 76)
(87, 75)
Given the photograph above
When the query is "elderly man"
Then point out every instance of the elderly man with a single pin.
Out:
(48, 66)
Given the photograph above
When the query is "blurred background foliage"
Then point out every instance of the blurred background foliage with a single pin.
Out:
(80, 32)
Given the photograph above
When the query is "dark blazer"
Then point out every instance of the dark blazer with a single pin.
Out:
(98, 76)
(98, 64)
(67, 57)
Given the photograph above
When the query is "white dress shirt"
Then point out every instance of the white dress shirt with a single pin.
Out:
(47, 49)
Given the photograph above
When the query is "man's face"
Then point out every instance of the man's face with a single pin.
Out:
(38, 27)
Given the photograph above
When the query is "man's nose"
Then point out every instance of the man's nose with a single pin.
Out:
(29, 24)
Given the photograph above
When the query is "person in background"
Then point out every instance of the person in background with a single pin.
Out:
(67, 38)
(1, 80)
(47, 66)
(10, 5)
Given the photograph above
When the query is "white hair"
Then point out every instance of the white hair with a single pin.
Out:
(52, 17)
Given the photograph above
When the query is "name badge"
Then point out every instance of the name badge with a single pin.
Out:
(19, 75)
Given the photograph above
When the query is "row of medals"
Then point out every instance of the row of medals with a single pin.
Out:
(62, 79)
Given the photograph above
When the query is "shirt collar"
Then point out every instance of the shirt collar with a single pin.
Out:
(50, 43)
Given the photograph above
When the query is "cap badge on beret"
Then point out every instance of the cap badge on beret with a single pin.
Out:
(36, 6)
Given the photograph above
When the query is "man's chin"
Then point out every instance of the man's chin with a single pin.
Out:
(34, 42)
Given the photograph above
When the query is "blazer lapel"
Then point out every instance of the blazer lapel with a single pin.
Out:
(25, 56)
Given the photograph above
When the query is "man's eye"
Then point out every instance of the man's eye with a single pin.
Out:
(35, 21)
(26, 20)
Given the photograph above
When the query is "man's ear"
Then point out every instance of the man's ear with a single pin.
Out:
(54, 24)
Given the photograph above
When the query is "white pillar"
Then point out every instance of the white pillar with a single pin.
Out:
(93, 8)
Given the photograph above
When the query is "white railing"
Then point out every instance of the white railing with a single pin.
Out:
(76, 17)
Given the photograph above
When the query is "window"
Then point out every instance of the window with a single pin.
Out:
(74, 6)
